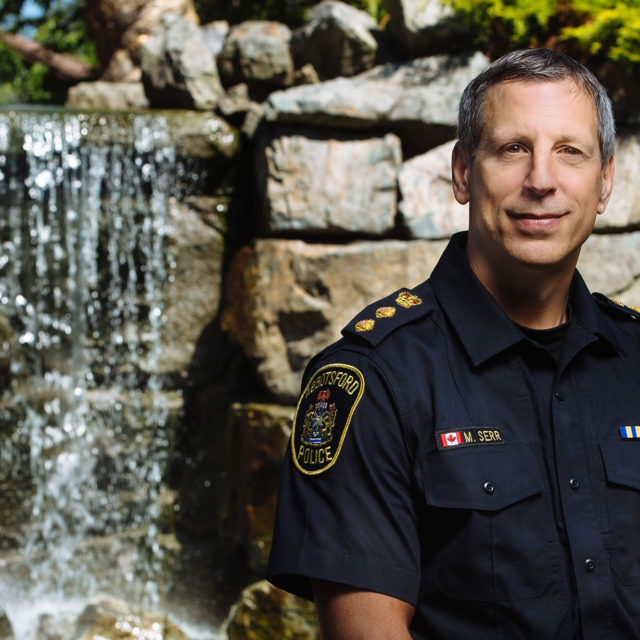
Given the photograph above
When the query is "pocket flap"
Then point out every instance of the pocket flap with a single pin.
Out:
(487, 480)
(622, 462)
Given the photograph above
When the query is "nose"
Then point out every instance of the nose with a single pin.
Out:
(540, 178)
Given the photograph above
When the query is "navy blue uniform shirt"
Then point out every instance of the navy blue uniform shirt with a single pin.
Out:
(444, 456)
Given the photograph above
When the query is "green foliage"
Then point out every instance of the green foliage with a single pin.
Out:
(61, 28)
(291, 12)
(505, 24)
(608, 31)
(596, 31)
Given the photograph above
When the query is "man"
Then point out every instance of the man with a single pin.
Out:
(464, 462)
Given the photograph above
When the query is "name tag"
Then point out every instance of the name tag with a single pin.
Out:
(469, 437)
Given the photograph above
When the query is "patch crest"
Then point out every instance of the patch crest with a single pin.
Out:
(468, 437)
(323, 415)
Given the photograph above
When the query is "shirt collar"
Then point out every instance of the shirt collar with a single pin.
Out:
(482, 326)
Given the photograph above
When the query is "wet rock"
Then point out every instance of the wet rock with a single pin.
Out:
(6, 630)
(416, 100)
(117, 96)
(421, 27)
(195, 240)
(427, 207)
(257, 436)
(337, 40)
(266, 612)
(178, 70)
(312, 184)
(257, 52)
(286, 300)
(111, 619)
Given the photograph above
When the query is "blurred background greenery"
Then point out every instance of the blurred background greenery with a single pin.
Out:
(604, 34)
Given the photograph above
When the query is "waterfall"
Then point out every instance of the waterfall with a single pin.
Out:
(84, 420)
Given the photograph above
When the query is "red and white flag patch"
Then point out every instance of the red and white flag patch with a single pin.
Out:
(451, 438)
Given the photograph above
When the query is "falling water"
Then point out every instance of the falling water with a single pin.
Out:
(84, 419)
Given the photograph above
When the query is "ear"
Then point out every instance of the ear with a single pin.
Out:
(460, 163)
(607, 185)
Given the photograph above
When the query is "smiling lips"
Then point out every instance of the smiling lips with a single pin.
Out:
(536, 221)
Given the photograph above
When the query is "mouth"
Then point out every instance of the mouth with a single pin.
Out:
(533, 221)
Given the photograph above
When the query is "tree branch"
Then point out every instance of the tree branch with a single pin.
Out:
(66, 67)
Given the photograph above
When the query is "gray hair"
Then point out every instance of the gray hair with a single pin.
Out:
(535, 65)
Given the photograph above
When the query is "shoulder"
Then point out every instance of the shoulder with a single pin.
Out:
(616, 308)
(379, 320)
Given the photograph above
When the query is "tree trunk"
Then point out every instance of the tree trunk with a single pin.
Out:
(64, 66)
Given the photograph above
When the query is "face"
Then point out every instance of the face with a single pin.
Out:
(536, 183)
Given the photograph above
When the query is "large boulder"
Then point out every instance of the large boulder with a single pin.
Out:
(195, 243)
(416, 100)
(420, 27)
(609, 264)
(257, 436)
(114, 96)
(427, 207)
(215, 33)
(623, 210)
(258, 53)
(178, 70)
(266, 612)
(6, 630)
(118, 27)
(340, 29)
(286, 299)
(315, 185)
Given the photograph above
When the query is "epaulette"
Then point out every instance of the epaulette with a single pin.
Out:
(616, 307)
(374, 323)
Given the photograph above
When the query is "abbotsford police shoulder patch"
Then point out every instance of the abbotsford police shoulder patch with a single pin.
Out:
(323, 415)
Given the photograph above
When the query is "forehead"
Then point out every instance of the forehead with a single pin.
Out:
(539, 103)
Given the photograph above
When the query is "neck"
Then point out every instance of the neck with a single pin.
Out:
(535, 298)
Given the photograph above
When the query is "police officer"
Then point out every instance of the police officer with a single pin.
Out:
(465, 461)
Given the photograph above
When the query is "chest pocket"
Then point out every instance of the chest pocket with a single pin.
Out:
(622, 463)
(489, 523)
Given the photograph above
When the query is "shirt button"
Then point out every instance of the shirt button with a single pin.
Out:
(559, 395)
(589, 564)
(574, 483)
(489, 487)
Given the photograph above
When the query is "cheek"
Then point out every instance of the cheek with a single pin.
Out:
(495, 187)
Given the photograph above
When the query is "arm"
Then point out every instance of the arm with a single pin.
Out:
(347, 613)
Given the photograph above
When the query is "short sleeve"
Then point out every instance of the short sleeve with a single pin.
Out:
(346, 510)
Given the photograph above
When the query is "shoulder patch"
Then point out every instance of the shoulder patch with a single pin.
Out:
(379, 319)
(619, 308)
(323, 415)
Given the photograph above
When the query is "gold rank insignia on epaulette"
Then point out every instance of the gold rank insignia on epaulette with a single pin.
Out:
(378, 319)
(617, 306)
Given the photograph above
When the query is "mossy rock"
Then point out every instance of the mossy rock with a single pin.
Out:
(266, 613)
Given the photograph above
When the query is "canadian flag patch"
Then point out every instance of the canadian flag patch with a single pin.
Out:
(451, 438)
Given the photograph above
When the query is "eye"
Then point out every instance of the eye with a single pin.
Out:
(572, 154)
(513, 148)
